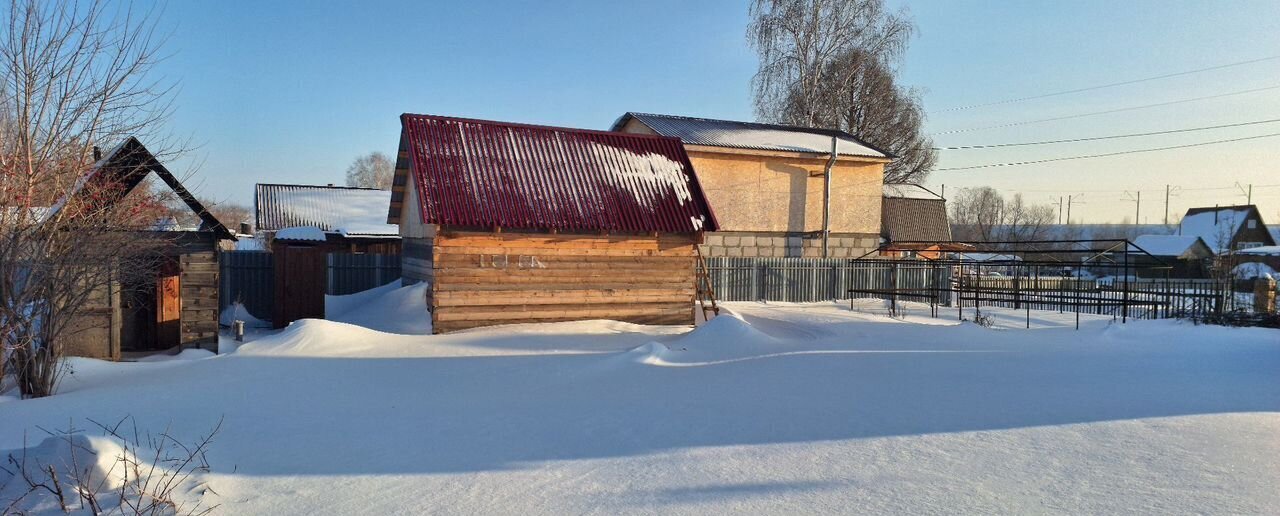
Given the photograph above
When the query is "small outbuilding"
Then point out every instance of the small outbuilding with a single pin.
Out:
(913, 223)
(336, 219)
(176, 304)
(1187, 255)
(515, 223)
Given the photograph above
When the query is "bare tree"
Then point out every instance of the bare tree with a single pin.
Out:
(829, 63)
(72, 76)
(373, 170)
(983, 215)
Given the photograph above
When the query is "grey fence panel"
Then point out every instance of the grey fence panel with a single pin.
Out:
(818, 279)
(351, 273)
(247, 277)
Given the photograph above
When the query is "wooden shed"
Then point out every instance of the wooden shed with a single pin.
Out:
(176, 304)
(514, 223)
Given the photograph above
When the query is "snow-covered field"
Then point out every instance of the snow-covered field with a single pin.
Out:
(771, 409)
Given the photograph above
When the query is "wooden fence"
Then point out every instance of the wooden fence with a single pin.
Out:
(248, 277)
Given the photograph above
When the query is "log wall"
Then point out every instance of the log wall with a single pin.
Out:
(485, 278)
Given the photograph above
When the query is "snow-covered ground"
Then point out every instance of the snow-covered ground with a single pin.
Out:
(771, 408)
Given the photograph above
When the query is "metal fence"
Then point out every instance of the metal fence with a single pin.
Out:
(820, 279)
(963, 287)
(248, 277)
(351, 273)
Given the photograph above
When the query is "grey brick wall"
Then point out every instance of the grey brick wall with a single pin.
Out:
(782, 245)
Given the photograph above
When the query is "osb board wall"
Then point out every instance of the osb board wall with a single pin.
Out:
(777, 193)
(482, 279)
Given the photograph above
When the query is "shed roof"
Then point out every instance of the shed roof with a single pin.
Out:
(486, 173)
(906, 219)
(753, 135)
(125, 166)
(336, 209)
(1169, 245)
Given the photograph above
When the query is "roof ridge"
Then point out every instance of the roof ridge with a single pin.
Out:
(785, 127)
(501, 123)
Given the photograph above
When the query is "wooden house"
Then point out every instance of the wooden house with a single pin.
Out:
(1227, 228)
(176, 305)
(514, 223)
(775, 188)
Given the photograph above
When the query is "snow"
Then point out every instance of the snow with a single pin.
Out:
(1253, 270)
(1216, 228)
(1266, 250)
(770, 408)
(1165, 245)
(301, 233)
(250, 243)
(238, 312)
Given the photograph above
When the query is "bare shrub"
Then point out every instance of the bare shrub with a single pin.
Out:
(141, 474)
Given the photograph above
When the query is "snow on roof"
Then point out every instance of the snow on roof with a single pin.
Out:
(1253, 270)
(348, 211)
(1266, 250)
(1166, 245)
(752, 135)
(1215, 227)
(301, 233)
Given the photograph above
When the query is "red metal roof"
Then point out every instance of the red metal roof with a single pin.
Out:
(484, 173)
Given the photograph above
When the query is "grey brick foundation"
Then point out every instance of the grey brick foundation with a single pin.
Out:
(781, 245)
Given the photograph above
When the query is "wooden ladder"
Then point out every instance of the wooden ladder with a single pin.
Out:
(705, 294)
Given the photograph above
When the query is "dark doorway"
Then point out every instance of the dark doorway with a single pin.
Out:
(152, 308)
(299, 283)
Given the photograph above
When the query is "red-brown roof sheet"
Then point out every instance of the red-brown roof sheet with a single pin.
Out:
(485, 173)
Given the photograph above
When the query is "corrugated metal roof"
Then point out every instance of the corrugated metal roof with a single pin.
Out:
(485, 173)
(914, 220)
(351, 211)
(752, 135)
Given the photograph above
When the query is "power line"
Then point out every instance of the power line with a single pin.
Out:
(1109, 111)
(1112, 137)
(1090, 156)
(1102, 86)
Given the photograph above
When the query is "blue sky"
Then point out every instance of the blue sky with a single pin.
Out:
(293, 91)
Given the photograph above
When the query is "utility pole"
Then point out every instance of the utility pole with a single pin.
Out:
(1247, 191)
(1136, 197)
(1166, 205)
(1068, 209)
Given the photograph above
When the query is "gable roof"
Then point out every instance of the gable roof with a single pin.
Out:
(126, 166)
(486, 173)
(336, 209)
(906, 219)
(1218, 225)
(753, 135)
(1170, 245)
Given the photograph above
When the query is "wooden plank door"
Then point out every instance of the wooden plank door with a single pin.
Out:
(301, 275)
(168, 305)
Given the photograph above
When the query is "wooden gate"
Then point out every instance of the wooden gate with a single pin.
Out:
(299, 283)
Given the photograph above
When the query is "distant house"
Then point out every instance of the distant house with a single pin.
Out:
(916, 219)
(514, 223)
(1187, 255)
(174, 305)
(1227, 228)
(340, 219)
(766, 184)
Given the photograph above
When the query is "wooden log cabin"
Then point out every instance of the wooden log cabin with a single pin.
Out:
(173, 304)
(514, 223)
